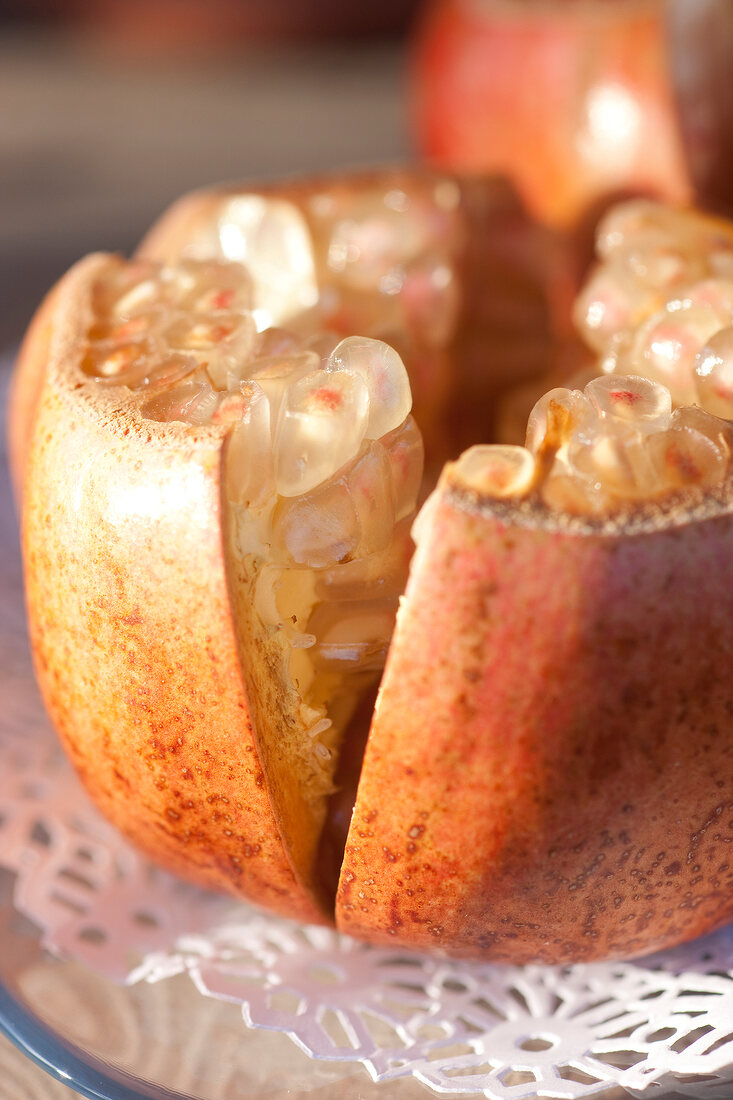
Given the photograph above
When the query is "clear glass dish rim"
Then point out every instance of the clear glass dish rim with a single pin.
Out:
(68, 1063)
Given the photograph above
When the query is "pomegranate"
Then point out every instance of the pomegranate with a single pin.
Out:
(578, 101)
(220, 468)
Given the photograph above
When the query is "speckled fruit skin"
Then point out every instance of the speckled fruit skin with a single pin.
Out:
(131, 629)
(549, 773)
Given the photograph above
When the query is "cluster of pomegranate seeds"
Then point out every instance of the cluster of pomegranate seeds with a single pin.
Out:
(619, 440)
(660, 303)
(377, 256)
(658, 312)
(390, 257)
(324, 462)
(179, 333)
(376, 259)
(591, 451)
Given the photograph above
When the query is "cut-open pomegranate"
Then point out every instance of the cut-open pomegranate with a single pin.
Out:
(220, 472)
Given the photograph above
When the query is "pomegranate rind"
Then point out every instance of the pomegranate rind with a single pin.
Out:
(134, 643)
(549, 770)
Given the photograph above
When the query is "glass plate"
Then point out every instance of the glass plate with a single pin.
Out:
(159, 1042)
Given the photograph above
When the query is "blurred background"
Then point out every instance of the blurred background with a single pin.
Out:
(109, 109)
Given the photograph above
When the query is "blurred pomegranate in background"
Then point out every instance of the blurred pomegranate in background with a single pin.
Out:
(577, 100)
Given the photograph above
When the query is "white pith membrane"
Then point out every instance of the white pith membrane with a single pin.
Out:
(658, 313)
(323, 468)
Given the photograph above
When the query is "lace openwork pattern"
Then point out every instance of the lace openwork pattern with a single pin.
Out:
(462, 1029)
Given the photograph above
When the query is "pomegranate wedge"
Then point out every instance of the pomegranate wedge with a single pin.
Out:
(213, 563)
(555, 722)
(550, 767)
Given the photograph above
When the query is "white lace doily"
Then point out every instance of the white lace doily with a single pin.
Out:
(463, 1029)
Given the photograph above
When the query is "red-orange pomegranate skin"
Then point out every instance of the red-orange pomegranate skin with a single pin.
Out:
(549, 773)
(132, 633)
